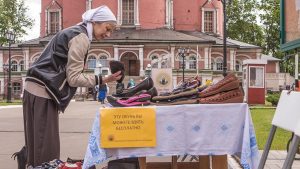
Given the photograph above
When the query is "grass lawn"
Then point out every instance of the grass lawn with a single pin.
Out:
(262, 119)
(15, 102)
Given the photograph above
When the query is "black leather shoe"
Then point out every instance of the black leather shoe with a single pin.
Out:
(147, 84)
(152, 92)
(119, 88)
(116, 66)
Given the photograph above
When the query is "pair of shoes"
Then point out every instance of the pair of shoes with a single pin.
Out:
(146, 84)
(232, 96)
(116, 66)
(140, 100)
(229, 82)
(185, 86)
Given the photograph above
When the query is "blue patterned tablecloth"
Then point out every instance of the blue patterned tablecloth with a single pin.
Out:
(190, 129)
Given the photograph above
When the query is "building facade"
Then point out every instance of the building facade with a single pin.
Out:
(148, 33)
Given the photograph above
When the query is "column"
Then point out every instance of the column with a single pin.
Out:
(26, 58)
(277, 67)
(2, 86)
(119, 14)
(209, 58)
(232, 59)
(137, 20)
(116, 52)
(1, 61)
(167, 13)
(171, 15)
(173, 57)
(296, 66)
(258, 55)
(206, 58)
(141, 58)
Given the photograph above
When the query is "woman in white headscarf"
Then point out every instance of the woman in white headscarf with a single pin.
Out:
(52, 81)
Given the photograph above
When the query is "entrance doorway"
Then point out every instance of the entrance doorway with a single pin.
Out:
(131, 64)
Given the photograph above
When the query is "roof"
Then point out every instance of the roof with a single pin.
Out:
(154, 35)
(269, 58)
(162, 35)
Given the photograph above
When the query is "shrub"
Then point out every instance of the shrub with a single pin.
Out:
(273, 98)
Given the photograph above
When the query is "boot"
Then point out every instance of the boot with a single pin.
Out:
(144, 85)
(21, 158)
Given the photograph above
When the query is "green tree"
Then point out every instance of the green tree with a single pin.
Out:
(270, 18)
(242, 22)
(13, 17)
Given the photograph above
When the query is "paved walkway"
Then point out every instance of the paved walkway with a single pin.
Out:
(75, 125)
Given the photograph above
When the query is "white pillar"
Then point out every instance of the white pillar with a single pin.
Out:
(171, 15)
(168, 13)
(296, 66)
(116, 52)
(206, 58)
(1, 61)
(2, 85)
(137, 20)
(277, 67)
(231, 59)
(209, 58)
(173, 58)
(119, 14)
(26, 58)
(141, 58)
(258, 55)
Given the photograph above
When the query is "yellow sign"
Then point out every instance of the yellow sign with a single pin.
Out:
(127, 127)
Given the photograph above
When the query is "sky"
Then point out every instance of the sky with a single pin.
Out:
(34, 10)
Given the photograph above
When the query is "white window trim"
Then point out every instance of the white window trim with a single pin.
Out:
(48, 11)
(263, 86)
(136, 15)
(215, 19)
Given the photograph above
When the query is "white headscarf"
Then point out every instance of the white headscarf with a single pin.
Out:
(100, 14)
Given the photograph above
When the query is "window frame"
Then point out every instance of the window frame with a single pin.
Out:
(128, 11)
(49, 11)
(214, 21)
(88, 62)
(14, 66)
(263, 77)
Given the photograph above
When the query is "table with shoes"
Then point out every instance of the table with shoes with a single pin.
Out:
(199, 129)
(194, 118)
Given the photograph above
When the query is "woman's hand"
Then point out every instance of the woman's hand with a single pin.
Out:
(114, 77)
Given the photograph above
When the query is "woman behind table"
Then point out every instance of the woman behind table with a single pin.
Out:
(53, 79)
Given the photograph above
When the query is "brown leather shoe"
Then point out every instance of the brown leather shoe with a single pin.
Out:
(230, 82)
(233, 96)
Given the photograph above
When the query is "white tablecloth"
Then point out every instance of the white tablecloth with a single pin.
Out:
(190, 129)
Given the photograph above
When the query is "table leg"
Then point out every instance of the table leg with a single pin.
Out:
(204, 162)
(219, 162)
(174, 162)
(142, 163)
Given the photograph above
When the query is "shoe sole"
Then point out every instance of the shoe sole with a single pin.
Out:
(238, 99)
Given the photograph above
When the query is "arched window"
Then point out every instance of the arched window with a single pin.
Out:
(238, 66)
(154, 61)
(21, 65)
(103, 61)
(192, 62)
(16, 88)
(92, 62)
(219, 64)
(14, 66)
